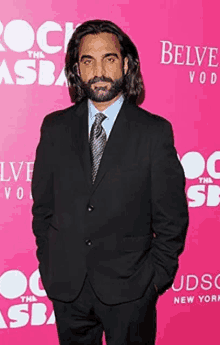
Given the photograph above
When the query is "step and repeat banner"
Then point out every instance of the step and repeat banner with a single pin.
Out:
(178, 44)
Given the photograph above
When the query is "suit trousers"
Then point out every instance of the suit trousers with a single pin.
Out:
(84, 320)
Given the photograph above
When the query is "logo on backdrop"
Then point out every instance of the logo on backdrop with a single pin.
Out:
(202, 174)
(27, 53)
(203, 61)
(15, 178)
(203, 177)
(193, 288)
(24, 293)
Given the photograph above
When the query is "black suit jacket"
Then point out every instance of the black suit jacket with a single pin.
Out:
(125, 230)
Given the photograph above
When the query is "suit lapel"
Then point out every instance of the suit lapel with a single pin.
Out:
(115, 146)
(80, 138)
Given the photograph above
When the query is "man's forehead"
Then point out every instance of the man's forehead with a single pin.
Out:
(98, 42)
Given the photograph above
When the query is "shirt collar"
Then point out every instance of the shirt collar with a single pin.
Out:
(111, 111)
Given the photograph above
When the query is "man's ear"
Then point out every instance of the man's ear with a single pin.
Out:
(125, 65)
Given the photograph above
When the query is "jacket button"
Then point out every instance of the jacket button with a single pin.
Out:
(90, 208)
(88, 242)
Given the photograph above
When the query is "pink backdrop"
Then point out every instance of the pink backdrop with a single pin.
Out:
(178, 42)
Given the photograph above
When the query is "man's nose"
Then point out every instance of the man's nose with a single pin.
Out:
(99, 70)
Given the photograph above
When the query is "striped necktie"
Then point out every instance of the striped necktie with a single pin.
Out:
(97, 143)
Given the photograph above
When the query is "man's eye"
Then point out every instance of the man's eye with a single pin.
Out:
(87, 62)
(111, 59)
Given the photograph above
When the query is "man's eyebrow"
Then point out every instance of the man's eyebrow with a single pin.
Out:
(111, 54)
(106, 55)
(86, 57)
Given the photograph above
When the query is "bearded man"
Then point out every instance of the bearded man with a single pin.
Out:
(110, 213)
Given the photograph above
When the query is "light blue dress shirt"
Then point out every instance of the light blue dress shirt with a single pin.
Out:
(111, 112)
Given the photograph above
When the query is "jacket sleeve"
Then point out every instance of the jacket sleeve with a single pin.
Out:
(42, 188)
(169, 209)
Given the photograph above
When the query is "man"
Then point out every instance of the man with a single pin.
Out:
(110, 213)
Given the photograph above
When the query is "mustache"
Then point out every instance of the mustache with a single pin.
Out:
(97, 79)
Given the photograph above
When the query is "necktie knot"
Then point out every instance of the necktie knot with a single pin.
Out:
(99, 117)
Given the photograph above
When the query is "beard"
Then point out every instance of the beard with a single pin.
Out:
(95, 95)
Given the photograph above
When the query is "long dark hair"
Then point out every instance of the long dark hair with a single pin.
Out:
(133, 85)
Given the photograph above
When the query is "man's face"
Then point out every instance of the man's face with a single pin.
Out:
(101, 66)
